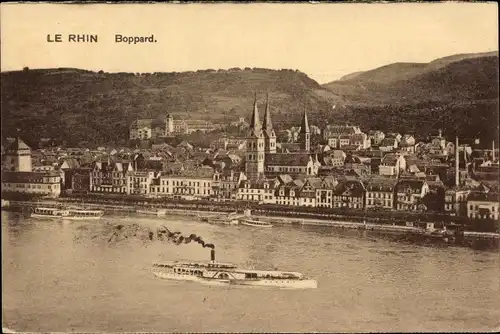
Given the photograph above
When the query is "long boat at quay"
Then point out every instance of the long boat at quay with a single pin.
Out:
(73, 214)
(225, 219)
(255, 223)
(218, 273)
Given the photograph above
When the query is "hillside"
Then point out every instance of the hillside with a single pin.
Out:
(401, 71)
(458, 94)
(464, 80)
(403, 83)
(77, 105)
(384, 74)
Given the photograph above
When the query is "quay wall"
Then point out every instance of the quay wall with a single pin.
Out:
(416, 234)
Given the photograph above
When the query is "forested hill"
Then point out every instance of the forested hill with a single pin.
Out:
(450, 79)
(458, 94)
(77, 105)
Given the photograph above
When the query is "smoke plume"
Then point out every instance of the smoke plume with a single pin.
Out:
(121, 232)
(177, 238)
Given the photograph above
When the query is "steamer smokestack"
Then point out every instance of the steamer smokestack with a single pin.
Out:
(212, 255)
(457, 171)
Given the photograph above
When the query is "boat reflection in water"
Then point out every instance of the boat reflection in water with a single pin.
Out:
(218, 273)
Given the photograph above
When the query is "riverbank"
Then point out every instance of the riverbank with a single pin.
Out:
(422, 233)
(375, 215)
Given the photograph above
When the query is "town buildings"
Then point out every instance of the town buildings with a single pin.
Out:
(348, 170)
(392, 165)
(409, 194)
(190, 185)
(18, 177)
(380, 193)
(483, 205)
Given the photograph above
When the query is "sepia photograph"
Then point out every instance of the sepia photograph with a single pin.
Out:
(250, 167)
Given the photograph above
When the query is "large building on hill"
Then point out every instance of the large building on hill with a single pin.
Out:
(261, 157)
(144, 129)
(18, 177)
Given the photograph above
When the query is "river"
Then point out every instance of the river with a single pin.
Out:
(66, 276)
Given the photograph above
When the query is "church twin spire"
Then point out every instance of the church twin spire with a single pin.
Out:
(255, 126)
(267, 126)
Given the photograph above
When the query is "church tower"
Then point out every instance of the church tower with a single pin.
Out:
(254, 164)
(18, 157)
(304, 135)
(267, 127)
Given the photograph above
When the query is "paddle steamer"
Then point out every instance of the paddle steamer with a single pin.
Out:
(218, 273)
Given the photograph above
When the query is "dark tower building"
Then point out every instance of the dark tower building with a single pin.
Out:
(304, 135)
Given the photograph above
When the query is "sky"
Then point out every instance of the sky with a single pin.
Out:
(325, 41)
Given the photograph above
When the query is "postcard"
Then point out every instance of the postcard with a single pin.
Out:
(250, 167)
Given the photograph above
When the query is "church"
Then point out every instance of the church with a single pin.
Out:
(262, 161)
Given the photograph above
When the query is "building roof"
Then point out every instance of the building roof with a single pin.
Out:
(17, 145)
(340, 129)
(358, 137)
(350, 188)
(351, 147)
(376, 133)
(414, 185)
(27, 177)
(336, 154)
(287, 159)
(203, 172)
(71, 163)
(352, 159)
(387, 142)
(185, 144)
(484, 197)
(414, 169)
(381, 184)
(284, 179)
(406, 144)
(315, 182)
(123, 166)
(288, 147)
(257, 184)
(328, 182)
(390, 159)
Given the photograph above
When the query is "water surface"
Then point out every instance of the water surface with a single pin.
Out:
(66, 276)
